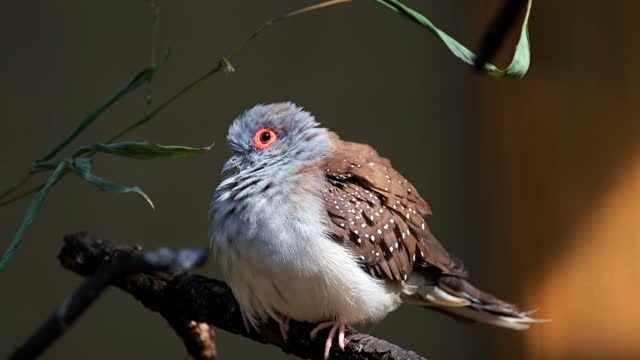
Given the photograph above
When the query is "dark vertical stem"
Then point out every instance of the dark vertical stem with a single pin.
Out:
(495, 35)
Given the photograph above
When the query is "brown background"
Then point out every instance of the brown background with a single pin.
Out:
(534, 183)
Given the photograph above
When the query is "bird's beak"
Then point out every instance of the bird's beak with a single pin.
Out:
(232, 163)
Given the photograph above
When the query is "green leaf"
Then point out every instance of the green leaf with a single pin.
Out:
(521, 58)
(142, 150)
(82, 168)
(40, 166)
(30, 214)
(142, 77)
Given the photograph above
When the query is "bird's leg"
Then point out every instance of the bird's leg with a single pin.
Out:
(284, 328)
(338, 326)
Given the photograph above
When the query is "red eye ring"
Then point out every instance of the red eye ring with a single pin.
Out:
(264, 138)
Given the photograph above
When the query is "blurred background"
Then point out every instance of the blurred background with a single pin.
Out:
(535, 183)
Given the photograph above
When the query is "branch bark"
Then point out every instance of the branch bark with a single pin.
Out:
(113, 266)
(193, 304)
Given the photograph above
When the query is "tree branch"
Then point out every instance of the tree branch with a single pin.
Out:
(192, 304)
(114, 265)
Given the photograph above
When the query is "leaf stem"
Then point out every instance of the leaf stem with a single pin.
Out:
(21, 195)
(15, 186)
(222, 64)
(150, 115)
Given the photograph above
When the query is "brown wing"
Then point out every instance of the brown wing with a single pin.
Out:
(379, 215)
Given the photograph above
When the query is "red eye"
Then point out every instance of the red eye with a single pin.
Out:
(264, 138)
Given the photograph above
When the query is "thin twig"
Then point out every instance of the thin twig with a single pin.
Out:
(15, 186)
(155, 26)
(191, 301)
(21, 195)
(222, 64)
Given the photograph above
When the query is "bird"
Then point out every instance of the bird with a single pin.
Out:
(310, 227)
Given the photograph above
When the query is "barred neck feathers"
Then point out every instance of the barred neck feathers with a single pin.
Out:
(267, 178)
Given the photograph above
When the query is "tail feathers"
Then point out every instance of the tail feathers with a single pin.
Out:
(519, 321)
(456, 297)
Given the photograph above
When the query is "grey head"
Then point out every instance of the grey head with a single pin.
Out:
(280, 134)
(272, 147)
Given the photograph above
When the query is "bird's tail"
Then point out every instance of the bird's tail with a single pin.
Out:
(458, 298)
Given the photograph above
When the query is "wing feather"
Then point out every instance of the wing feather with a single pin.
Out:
(380, 216)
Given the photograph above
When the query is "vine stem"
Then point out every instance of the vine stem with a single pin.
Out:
(18, 184)
(222, 64)
(21, 195)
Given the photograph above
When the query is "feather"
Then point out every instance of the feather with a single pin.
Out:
(367, 200)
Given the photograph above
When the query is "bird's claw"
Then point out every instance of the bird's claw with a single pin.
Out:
(284, 329)
(338, 326)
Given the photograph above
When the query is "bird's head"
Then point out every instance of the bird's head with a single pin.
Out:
(274, 134)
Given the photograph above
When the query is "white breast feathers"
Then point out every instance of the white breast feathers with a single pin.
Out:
(277, 258)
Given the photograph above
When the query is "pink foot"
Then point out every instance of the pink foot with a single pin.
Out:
(336, 326)
(284, 328)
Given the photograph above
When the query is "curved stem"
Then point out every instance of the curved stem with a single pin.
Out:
(15, 186)
(28, 192)
(21, 195)
(222, 64)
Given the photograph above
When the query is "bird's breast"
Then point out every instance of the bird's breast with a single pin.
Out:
(274, 251)
(271, 222)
